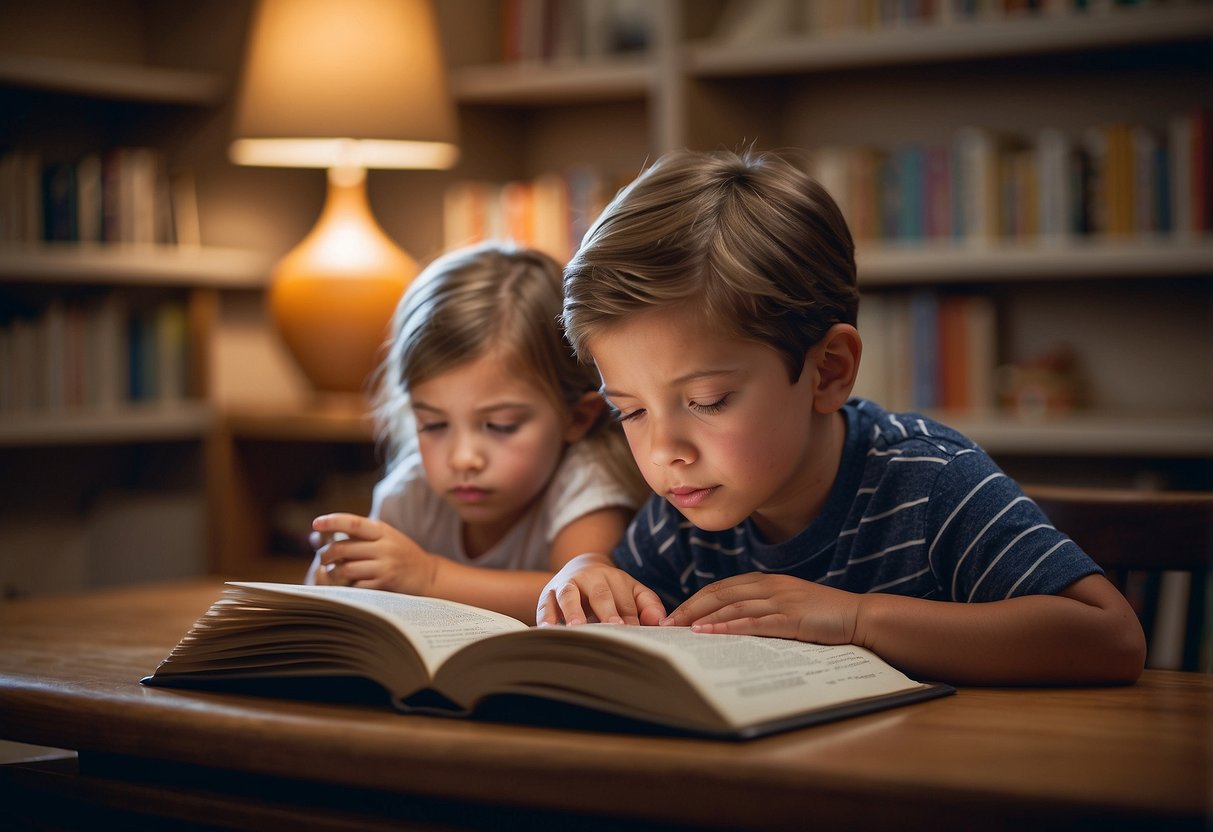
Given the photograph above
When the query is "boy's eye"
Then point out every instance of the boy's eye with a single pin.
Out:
(620, 416)
(710, 407)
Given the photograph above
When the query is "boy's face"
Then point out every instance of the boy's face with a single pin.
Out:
(715, 425)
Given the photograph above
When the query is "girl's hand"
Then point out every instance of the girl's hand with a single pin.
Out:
(359, 551)
(589, 588)
(760, 604)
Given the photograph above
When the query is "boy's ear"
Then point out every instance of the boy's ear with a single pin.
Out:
(583, 415)
(834, 361)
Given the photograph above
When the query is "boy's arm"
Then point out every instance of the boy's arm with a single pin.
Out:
(591, 587)
(1087, 633)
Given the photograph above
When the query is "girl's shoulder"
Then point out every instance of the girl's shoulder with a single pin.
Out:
(581, 464)
(406, 473)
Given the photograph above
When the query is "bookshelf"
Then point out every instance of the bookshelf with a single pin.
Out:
(271, 469)
(110, 487)
(1137, 309)
(248, 452)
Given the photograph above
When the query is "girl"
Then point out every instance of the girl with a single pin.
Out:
(504, 463)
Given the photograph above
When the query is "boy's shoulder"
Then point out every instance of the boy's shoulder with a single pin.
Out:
(903, 433)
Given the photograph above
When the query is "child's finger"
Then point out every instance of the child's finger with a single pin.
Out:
(353, 525)
(602, 598)
(547, 612)
(650, 610)
(568, 598)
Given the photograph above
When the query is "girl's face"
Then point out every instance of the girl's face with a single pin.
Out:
(490, 442)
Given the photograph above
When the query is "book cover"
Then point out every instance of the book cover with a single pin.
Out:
(89, 205)
(875, 330)
(924, 333)
(1054, 192)
(975, 154)
(954, 354)
(59, 202)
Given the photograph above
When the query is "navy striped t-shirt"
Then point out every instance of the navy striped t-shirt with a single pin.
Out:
(917, 509)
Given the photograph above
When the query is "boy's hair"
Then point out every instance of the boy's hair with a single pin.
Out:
(471, 300)
(746, 239)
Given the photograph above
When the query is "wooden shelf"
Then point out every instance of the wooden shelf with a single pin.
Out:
(130, 264)
(1090, 434)
(327, 421)
(128, 424)
(884, 264)
(961, 40)
(554, 83)
(126, 82)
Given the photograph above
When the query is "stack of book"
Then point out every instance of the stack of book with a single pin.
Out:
(551, 212)
(124, 195)
(924, 350)
(1118, 180)
(94, 355)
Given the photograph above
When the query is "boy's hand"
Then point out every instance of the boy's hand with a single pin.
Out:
(359, 551)
(759, 604)
(589, 587)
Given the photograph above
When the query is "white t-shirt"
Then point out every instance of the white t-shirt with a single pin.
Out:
(580, 485)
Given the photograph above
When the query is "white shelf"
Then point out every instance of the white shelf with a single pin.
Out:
(1010, 261)
(955, 41)
(124, 264)
(125, 82)
(127, 424)
(554, 83)
(1090, 434)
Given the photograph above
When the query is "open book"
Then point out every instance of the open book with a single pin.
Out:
(436, 656)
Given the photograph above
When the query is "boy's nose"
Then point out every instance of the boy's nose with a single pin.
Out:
(668, 447)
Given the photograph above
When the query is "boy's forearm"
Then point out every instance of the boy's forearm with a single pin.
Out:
(1039, 639)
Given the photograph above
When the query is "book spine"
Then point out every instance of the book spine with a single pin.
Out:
(924, 319)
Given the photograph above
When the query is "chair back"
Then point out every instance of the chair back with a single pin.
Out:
(1157, 548)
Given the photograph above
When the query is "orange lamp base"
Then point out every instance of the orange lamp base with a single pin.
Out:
(332, 297)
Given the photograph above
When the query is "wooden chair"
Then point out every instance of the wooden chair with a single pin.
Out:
(1136, 536)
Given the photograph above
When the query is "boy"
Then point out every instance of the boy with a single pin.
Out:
(716, 295)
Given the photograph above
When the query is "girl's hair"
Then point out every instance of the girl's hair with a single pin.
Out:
(490, 297)
(745, 239)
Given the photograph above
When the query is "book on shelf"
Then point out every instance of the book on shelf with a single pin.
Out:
(822, 18)
(924, 350)
(122, 195)
(551, 212)
(1116, 179)
(94, 354)
(439, 657)
(755, 21)
(553, 30)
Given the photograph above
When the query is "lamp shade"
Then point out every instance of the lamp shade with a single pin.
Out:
(357, 83)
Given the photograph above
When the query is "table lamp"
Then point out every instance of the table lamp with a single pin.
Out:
(343, 85)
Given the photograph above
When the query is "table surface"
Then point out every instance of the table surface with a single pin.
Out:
(70, 665)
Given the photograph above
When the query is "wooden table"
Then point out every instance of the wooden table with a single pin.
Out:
(1128, 757)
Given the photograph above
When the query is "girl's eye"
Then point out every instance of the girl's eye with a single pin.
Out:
(710, 407)
(503, 428)
(430, 427)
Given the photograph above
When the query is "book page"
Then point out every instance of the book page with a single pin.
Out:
(751, 679)
(436, 628)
